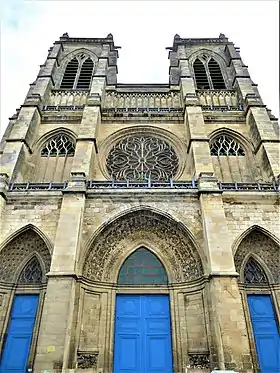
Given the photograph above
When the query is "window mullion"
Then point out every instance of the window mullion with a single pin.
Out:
(208, 76)
(78, 74)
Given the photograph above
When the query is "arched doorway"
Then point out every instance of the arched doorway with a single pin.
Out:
(142, 320)
(24, 262)
(257, 260)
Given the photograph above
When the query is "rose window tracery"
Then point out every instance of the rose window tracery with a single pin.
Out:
(142, 157)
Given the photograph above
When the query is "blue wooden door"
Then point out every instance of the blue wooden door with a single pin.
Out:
(20, 330)
(142, 334)
(266, 333)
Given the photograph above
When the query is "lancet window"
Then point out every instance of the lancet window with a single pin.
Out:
(208, 74)
(78, 73)
(253, 273)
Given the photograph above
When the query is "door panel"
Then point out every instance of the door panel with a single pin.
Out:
(142, 334)
(266, 333)
(15, 355)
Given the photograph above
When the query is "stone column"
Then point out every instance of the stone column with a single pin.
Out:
(230, 345)
(54, 342)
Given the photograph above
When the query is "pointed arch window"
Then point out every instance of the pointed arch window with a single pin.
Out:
(253, 273)
(226, 146)
(142, 268)
(78, 73)
(208, 74)
(31, 273)
(59, 146)
(55, 160)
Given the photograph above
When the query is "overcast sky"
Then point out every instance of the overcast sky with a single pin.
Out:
(143, 29)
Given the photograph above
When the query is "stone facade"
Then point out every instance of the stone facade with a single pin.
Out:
(65, 218)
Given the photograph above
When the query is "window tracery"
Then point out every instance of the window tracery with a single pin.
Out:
(208, 73)
(142, 268)
(141, 157)
(60, 145)
(78, 73)
(31, 273)
(253, 273)
(226, 146)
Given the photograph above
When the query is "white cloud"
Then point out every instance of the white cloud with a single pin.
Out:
(143, 29)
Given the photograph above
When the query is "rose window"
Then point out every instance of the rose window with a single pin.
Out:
(142, 157)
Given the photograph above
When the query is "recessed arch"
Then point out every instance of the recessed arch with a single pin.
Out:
(23, 278)
(49, 135)
(24, 245)
(170, 240)
(266, 251)
(68, 57)
(233, 157)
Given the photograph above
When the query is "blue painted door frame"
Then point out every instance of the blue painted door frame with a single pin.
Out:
(266, 332)
(16, 349)
(142, 334)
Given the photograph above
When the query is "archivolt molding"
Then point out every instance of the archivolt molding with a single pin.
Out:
(68, 57)
(166, 238)
(200, 52)
(260, 262)
(258, 244)
(19, 250)
(246, 144)
(47, 136)
(168, 137)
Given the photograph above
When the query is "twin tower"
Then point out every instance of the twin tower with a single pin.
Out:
(140, 222)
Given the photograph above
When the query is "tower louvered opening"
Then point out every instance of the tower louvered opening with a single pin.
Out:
(69, 77)
(216, 75)
(85, 75)
(200, 75)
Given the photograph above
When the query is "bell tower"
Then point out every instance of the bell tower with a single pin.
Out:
(140, 222)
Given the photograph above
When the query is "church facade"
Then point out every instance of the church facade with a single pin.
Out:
(140, 222)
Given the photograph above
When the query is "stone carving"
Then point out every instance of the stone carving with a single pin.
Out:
(87, 360)
(253, 273)
(169, 237)
(224, 145)
(264, 247)
(199, 361)
(59, 145)
(141, 157)
(17, 250)
(31, 273)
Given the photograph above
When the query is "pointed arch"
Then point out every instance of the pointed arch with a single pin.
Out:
(257, 244)
(70, 74)
(85, 76)
(142, 227)
(253, 272)
(142, 267)
(216, 74)
(54, 156)
(21, 248)
(200, 75)
(31, 273)
(233, 158)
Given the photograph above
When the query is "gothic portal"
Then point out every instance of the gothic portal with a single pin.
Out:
(140, 223)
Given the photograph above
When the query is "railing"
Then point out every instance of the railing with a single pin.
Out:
(22, 187)
(193, 184)
(220, 100)
(141, 110)
(142, 184)
(61, 97)
(63, 108)
(263, 187)
(142, 100)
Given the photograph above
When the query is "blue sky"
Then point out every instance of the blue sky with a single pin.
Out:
(143, 29)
